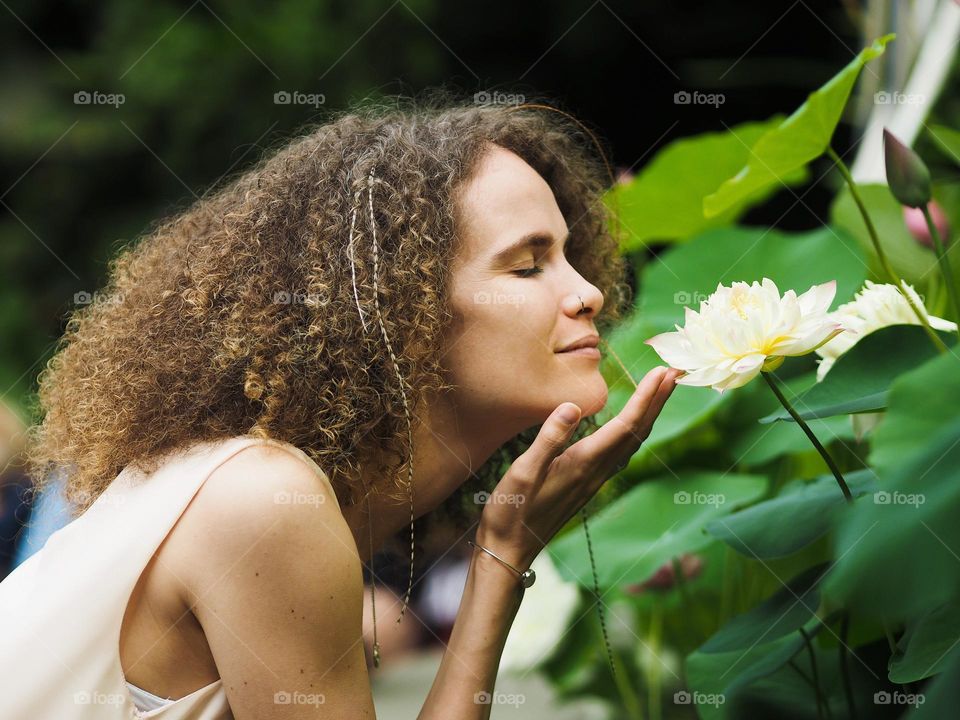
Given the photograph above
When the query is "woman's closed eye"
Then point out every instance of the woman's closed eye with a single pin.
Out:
(528, 272)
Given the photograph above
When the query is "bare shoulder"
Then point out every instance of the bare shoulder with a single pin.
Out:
(262, 493)
(276, 583)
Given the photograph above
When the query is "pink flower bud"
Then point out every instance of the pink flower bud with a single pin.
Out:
(664, 578)
(907, 175)
(917, 225)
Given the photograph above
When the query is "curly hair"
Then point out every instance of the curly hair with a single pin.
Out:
(237, 315)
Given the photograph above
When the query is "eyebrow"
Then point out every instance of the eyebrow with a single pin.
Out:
(534, 240)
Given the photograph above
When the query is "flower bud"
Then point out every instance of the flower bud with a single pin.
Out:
(907, 175)
(917, 224)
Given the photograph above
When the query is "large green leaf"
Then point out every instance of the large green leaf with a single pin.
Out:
(758, 682)
(687, 274)
(860, 378)
(802, 513)
(801, 138)
(897, 555)
(942, 697)
(665, 200)
(912, 261)
(926, 643)
(755, 444)
(791, 607)
(651, 524)
(927, 402)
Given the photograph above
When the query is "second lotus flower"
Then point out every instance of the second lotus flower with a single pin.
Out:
(744, 329)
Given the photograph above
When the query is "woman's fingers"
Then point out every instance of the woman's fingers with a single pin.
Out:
(622, 435)
(549, 443)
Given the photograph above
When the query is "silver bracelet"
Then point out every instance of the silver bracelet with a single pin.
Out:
(527, 577)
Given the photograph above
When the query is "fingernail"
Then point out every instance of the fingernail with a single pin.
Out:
(569, 414)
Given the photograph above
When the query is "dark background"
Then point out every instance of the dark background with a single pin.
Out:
(198, 79)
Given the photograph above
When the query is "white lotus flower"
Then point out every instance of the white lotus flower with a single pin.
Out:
(875, 306)
(745, 329)
(542, 619)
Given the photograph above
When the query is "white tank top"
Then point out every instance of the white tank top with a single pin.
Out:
(62, 608)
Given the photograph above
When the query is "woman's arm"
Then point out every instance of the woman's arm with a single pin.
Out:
(465, 681)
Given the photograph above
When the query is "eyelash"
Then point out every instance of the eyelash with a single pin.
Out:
(528, 272)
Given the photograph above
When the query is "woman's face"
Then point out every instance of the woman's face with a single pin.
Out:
(513, 319)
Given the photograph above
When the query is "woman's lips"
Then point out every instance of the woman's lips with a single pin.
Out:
(591, 352)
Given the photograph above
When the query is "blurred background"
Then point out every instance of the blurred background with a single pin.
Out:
(114, 115)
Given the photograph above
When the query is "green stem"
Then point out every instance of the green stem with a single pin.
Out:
(944, 262)
(631, 702)
(881, 255)
(654, 637)
(845, 666)
(768, 376)
(813, 671)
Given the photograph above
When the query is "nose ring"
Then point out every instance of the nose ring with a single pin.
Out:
(581, 305)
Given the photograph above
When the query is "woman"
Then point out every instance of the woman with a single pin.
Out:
(370, 324)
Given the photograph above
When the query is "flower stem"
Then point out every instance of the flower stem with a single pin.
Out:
(813, 438)
(944, 264)
(845, 666)
(881, 255)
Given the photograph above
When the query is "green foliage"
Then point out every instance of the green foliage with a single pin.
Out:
(860, 379)
(801, 138)
(664, 202)
(650, 525)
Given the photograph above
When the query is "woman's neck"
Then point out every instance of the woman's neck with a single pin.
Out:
(444, 457)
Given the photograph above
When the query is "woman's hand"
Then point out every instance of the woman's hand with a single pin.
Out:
(546, 485)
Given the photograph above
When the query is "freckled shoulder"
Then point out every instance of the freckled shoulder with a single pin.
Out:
(262, 488)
